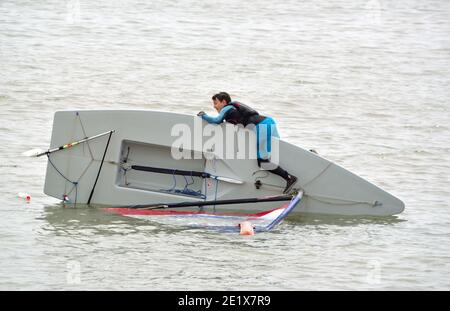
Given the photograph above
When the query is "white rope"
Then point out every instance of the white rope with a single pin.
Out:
(90, 152)
(318, 175)
(321, 198)
(68, 161)
(85, 135)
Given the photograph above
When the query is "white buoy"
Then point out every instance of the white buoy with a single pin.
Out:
(24, 195)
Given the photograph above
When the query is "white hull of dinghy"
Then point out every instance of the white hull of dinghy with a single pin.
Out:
(144, 138)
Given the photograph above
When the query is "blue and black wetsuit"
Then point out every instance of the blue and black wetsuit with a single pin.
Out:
(238, 113)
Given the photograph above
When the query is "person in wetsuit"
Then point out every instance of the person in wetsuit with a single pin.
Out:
(237, 113)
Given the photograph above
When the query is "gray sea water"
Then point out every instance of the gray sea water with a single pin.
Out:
(365, 83)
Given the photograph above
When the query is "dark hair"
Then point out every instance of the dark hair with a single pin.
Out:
(222, 96)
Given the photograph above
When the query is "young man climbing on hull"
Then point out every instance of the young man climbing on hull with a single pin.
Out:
(238, 113)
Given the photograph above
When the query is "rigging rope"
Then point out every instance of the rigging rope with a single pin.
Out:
(186, 190)
(85, 135)
(317, 197)
(100, 169)
(75, 183)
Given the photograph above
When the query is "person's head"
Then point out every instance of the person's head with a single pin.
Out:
(220, 100)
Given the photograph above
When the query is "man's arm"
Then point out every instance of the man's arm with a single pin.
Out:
(218, 119)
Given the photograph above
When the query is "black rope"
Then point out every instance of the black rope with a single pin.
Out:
(76, 193)
(100, 169)
(62, 175)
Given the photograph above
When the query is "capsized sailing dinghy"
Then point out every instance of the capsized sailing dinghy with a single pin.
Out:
(126, 158)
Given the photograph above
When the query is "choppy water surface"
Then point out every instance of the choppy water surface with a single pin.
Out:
(363, 82)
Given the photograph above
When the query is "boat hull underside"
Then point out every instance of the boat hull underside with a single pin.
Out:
(144, 138)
